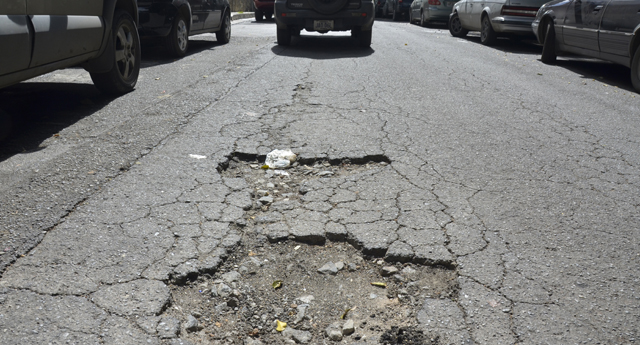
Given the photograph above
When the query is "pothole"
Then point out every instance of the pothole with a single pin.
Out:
(239, 304)
(351, 217)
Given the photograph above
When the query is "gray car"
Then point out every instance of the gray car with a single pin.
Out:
(493, 18)
(604, 29)
(40, 36)
(427, 11)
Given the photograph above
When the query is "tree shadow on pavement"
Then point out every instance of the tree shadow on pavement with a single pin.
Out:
(323, 47)
(39, 110)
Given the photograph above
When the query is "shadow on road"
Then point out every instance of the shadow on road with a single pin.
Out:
(517, 45)
(155, 54)
(602, 71)
(39, 110)
(323, 47)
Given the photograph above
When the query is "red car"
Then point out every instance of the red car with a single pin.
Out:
(264, 9)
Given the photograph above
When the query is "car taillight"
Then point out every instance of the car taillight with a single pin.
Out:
(434, 2)
(519, 11)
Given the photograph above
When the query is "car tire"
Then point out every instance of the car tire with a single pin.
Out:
(268, 15)
(423, 22)
(395, 16)
(123, 76)
(364, 38)
(224, 34)
(410, 16)
(5, 125)
(284, 36)
(178, 40)
(549, 46)
(259, 15)
(455, 26)
(385, 12)
(635, 70)
(487, 34)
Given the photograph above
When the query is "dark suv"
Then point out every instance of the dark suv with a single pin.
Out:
(173, 21)
(41, 36)
(323, 16)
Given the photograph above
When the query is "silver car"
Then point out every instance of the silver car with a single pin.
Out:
(427, 11)
(603, 29)
(493, 18)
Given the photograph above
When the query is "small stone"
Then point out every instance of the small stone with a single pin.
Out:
(266, 200)
(301, 337)
(168, 328)
(252, 341)
(399, 278)
(192, 324)
(339, 265)
(387, 271)
(328, 268)
(306, 299)
(352, 267)
(261, 192)
(271, 185)
(348, 327)
(373, 296)
(302, 309)
(221, 308)
(221, 290)
(334, 332)
(409, 271)
(325, 173)
(232, 276)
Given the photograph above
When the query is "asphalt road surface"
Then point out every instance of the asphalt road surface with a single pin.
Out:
(521, 176)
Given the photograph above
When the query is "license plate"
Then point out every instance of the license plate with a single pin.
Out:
(320, 25)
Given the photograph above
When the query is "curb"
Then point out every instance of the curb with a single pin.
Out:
(241, 15)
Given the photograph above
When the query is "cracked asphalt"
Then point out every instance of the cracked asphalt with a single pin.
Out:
(521, 177)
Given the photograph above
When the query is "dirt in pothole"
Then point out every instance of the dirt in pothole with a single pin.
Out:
(239, 304)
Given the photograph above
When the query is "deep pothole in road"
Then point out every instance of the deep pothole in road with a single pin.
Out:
(274, 278)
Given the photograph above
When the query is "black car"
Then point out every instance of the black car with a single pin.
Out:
(604, 29)
(397, 9)
(174, 21)
(292, 16)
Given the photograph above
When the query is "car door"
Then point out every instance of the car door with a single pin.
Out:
(213, 10)
(620, 19)
(65, 29)
(15, 38)
(581, 23)
(198, 15)
(463, 15)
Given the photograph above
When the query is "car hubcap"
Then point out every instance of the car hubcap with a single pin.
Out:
(455, 25)
(227, 27)
(125, 52)
(485, 28)
(183, 37)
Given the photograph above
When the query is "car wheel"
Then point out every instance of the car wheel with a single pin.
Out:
(549, 45)
(224, 34)
(395, 16)
(284, 36)
(268, 15)
(259, 15)
(423, 21)
(5, 125)
(487, 34)
(455, 27)
(635, 70)
(410, 16)
(364, 38)
(178, 39)
(123, 75)
(385, 12)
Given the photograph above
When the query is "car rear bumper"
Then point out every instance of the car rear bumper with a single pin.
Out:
(513, 25)
(342, 21)
(266, 6)
(439, 13)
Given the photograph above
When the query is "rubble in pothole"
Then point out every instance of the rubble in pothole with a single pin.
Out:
(325, 294)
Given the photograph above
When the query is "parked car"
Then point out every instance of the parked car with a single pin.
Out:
(427, 11)
(379, 5)
(494, 18)
(173, 21)
(264, 9)
(604, 29)
(40, 36)
(397, 9)
(292, 16)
